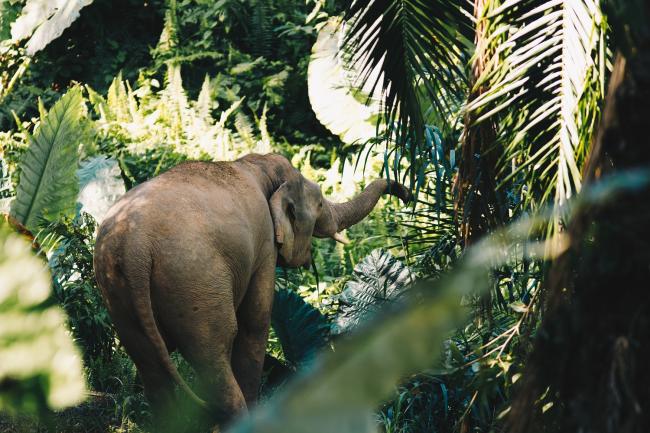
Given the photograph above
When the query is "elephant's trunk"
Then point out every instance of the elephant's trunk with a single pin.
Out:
(351, 212)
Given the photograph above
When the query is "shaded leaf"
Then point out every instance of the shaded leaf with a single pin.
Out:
(301, 329)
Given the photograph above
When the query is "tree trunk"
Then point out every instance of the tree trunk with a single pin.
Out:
(479, 207)
(588, 369)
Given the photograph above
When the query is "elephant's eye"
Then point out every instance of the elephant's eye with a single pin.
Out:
(291, 210)
(320, 204)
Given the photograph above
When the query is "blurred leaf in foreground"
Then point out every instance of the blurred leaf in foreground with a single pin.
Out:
(40, 368)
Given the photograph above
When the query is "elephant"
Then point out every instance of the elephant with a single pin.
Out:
(186, 261)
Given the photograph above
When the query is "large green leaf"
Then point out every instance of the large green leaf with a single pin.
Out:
(48, 184)
(347, 111)
(301, 329)
(378, 281)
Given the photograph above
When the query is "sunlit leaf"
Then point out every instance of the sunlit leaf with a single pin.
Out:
(345, 110)
(42, 21)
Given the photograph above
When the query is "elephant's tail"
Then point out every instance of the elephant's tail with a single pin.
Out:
(144, 311)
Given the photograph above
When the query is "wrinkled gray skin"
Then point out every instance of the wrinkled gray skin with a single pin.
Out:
(186, 261)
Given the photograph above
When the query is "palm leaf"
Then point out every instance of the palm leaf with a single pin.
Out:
(48, 184)
(545, 74)
(301, 329)
(420, 48)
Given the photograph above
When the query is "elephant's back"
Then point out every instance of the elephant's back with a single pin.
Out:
(194, 209)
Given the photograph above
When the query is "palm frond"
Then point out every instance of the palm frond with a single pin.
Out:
(544, 74)
(420, 49)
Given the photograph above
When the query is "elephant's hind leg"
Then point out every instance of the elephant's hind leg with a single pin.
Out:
(157, 382)
(207, 345)
(254, 320)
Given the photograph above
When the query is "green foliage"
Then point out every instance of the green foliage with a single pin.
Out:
(40, 367)
(167, 123)
(232, 40)
(48, 185)
(546, 65)
(75, 288)
(379, 280)
(301, 329)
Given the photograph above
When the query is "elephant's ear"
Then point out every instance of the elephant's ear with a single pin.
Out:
(282, 205)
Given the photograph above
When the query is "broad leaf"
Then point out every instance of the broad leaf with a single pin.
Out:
(301, 329)
(378, 281)
(345, 110)
(48, 184)
(42, 21)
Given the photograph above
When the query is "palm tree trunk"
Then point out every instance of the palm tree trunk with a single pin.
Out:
(591, 354)
(478, 205)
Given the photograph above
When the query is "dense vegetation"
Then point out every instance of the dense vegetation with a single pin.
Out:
(510, 297)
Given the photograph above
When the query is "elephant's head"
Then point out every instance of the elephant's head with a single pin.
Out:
(300, 211)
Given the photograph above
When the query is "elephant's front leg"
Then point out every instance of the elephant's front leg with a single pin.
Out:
(254, 320)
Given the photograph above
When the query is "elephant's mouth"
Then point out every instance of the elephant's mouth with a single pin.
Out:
(294, 263)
